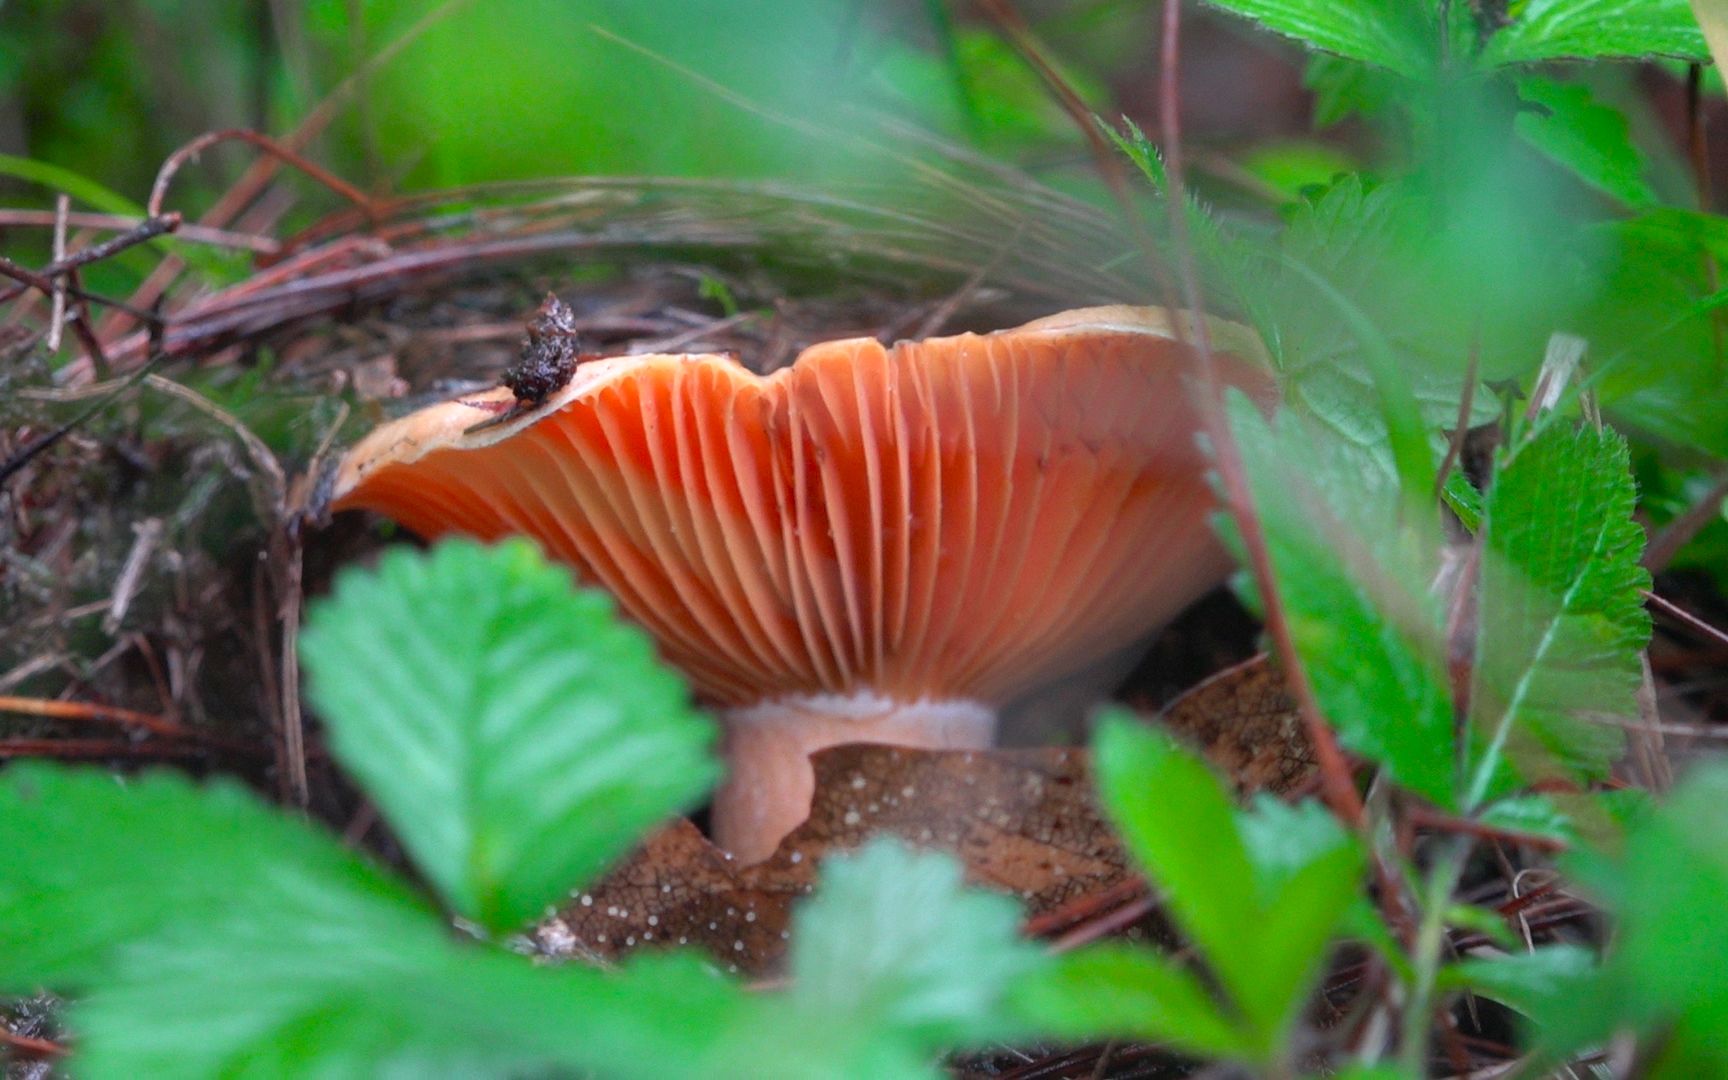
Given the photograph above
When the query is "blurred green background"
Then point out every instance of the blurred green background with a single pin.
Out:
(509, 89)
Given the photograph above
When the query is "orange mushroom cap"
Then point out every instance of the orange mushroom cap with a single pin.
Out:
(935, 527)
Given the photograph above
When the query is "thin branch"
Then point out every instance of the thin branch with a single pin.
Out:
(171, 167)
(64, 264)
(1433, 819)
(1104, 157)
(1466, 402)
(1679, 532)
(46, 286)
(1084, 907)
(29, 1044)
(92, 713)
(29, 451)
(57, 312)
(1105, 925)
(98, 749)
(197, 234)
(1337, 784)
(1686, 618)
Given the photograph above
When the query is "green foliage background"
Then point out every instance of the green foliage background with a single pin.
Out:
(1486, 192)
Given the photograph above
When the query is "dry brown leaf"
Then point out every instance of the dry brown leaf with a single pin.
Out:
(1247, 724)
(1022, 822)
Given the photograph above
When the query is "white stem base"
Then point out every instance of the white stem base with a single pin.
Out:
(768, 746)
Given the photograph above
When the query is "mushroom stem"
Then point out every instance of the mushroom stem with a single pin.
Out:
(770, 781)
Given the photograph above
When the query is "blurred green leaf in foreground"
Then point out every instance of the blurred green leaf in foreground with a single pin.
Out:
(201, 933)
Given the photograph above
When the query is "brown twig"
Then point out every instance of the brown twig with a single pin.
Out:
(29, 1044)
(288, 564)
(1425, 818)
(92, 713)
(171, 166)
(1105, 925)
(87, 749)
(46, 287)
(63, 264)
(1104, 157)
(1083, 908)
(1338, 785)
(57, 312)
(84, 326)
(197, 234)
(1461, 619)
(1466, 401)
(1685, 618)
(1678, 533)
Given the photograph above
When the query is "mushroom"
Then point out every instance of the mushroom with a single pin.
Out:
(870, 545)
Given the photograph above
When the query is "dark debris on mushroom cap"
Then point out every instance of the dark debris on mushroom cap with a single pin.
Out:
(549, 355)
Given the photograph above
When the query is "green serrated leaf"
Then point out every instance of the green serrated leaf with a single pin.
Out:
(1382, 1071)
(1597, 29)
(1463, 499)
(95, 863)
(1354, 583)
(1531, 815)
(1261, 893)
(1387, 33)
(515, 733)
(1666, 888)
(1657, 317)
(1344, 88)
(1368, 349)
(1217, 256)
(319, 988)
(1561, 615)
(1285, 838)
(1114, 991)
(1295, 166)
(1298, 920)
(1589, 138)
(1485, 921)
(895, 943)
(314, 984)
(1179, 825)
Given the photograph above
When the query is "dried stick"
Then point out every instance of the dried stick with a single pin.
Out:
(1685, 618)
(1433, 819)
(57, 312)
(1084, 907)
(1338, 786)
(1679, 532)
(171, 167)
(1466, 401)
(90, 712)
(1105, 925)
(170, 222)
(29, 1044)
(63, 264)
(88, 749)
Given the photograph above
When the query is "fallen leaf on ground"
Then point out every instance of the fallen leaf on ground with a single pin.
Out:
(1021, 821)
(1247, 724)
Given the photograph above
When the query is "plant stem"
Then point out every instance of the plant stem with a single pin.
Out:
(1425, 961)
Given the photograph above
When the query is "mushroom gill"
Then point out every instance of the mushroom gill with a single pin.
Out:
(870, 545)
